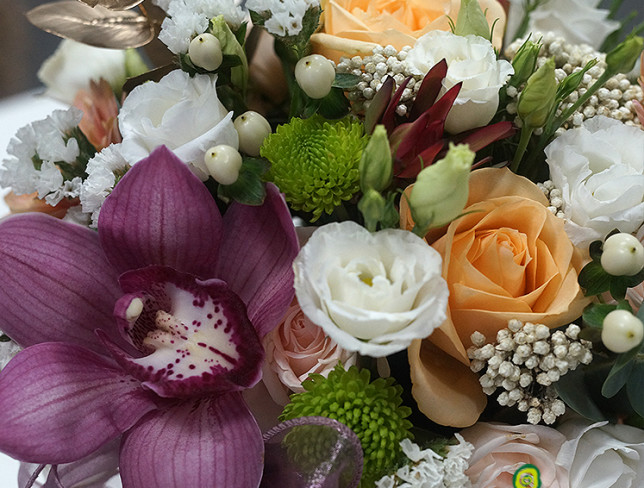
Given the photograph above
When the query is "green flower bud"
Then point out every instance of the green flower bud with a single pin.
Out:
(622, 59)
(134, 64)
(471, 20)
(441, 190)
(538, 97)
(376, 168)
(372, 206)
(230, 46)
(524, 62)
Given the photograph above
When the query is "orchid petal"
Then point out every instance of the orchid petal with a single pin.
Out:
(160, 213)
(202, 443)
(60, 402)
(334, 458)
(196, 334)
(256, 258)
(55, 284)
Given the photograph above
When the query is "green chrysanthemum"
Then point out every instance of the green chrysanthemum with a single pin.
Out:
(372, 410)
(314, 162)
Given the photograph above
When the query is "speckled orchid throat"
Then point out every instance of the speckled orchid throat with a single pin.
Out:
(194, 336)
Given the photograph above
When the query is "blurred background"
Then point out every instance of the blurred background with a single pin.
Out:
(25, 47)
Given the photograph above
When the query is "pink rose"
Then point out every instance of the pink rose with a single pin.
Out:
(499, 450)
(296, 348)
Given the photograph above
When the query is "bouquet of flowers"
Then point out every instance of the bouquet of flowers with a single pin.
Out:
(329, 243)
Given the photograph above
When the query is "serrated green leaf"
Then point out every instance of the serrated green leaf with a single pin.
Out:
(619, 373)
(593, 279)
(346, 80)
(635, 387)
(572, 388)
(249, 189)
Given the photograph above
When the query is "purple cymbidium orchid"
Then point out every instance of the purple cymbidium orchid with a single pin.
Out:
(147, 330)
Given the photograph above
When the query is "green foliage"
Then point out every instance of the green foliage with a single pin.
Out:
(249, 188)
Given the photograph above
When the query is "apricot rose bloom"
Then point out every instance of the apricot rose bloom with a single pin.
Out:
(508, 257)
(355, 27)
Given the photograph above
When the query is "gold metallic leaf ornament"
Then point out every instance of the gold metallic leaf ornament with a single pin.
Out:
(97, 26)
(113, 4)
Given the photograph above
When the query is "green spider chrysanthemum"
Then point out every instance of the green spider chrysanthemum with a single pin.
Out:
(314, 162)
(372, 410)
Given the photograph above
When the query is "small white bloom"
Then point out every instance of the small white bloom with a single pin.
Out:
(102, 170)
(34, 153)
(74, 64)
(181, 112)
(470, 60)
(285, 15)
(599, 168)
(371, 293)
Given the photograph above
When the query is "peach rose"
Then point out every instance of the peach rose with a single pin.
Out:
(30, 202)
(355, 27)
(507, 257)
(296, 348)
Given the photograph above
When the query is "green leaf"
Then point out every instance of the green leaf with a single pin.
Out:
(593, 279)
(595, 250)
(619, 373)
(4, 338)
(635, 387)
(335, 105)
(595, 314)
(573, 389)
(249, 188)
(346, 80)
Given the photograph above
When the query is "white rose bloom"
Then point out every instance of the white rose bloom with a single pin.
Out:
(471, 60)
(180, 112)
(602, 455)
(578, 21)
(599, 168)
(373, 293)
(73, 65)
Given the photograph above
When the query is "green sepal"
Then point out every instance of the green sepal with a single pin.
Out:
(249, 189)
(620, 372)
(571, 82)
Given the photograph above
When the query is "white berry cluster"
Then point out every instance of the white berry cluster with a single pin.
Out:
(373, 71)
(525, 362)
(554, 196)
(613, 100)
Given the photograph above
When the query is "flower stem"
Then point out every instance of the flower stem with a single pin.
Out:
(526, 134)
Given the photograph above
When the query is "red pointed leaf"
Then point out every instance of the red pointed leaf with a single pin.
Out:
(388, 117)
(482, 137)
(378, 105)
(429, 89)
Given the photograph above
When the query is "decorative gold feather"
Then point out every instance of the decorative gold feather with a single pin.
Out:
(97, 26)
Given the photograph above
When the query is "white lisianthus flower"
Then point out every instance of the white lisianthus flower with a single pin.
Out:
(602, 455)
(74, 64)
(578, 21)
(470, 60)
(599, 168)
(373, 293)
(180, 112)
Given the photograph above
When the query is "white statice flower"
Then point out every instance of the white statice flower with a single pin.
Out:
(427, 469)
(74, 64)
(599, 168)
(470, 60)
(578, 21)
(34, 153)
(180, 112)
(189, 18)
(102, 172)
(285, 15)
(373, 293)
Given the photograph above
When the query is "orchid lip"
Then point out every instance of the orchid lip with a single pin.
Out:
(194, 336)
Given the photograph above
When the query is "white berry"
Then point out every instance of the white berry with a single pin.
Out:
(623, 255)
(315, 75)
(252, 129)
(622, 331)
(205, 52)
(223, 163)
